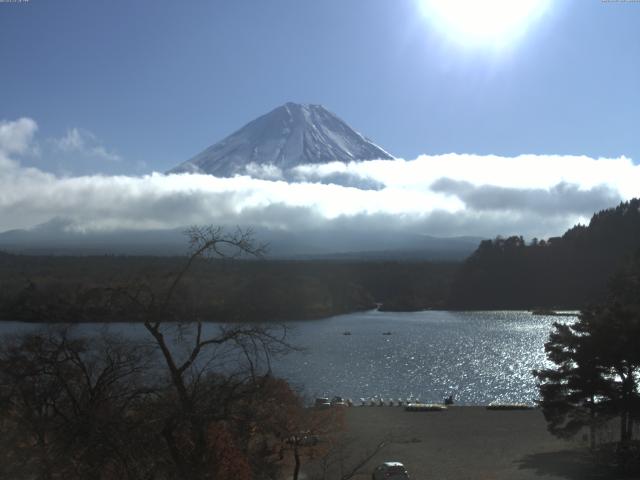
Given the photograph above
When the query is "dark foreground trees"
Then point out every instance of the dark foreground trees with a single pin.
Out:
(71, 407)
(188, 401)
(597, 365)
(104, 408)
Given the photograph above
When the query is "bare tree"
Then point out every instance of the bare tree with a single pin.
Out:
(71, 407)
(203, 407)
(213, 372)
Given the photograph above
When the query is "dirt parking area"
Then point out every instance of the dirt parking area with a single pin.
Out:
(463, 443)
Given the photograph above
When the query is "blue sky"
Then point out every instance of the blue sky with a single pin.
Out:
(154, 82)
(529, 138)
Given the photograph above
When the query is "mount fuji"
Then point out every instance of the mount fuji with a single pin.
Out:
(290, 135)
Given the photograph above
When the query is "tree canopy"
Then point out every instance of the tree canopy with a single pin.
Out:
(571, 271)
(189, 402)
(597, 364)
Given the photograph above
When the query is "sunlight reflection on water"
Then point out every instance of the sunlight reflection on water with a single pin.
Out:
(478, 357)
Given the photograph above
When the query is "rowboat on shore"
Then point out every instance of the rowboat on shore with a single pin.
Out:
(509, 406)
(425, 407)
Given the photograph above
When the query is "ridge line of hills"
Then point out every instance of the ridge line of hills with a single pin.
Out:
(567, 272)
(570, 271)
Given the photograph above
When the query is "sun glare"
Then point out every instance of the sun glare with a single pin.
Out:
(495, 23)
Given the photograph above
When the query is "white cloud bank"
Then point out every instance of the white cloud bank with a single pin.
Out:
(443, 195)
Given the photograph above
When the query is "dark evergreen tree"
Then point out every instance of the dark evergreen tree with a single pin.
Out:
(597, 364)
(572, 393)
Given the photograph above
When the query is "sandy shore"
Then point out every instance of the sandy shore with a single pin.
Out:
(465, 443)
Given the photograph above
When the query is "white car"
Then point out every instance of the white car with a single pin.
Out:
(390, 471)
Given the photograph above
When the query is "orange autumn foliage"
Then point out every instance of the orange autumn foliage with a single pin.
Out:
(229, 462)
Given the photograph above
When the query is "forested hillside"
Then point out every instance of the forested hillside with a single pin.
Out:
(106, 288)
(562, 272)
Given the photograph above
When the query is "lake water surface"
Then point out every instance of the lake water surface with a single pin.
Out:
(478, 357)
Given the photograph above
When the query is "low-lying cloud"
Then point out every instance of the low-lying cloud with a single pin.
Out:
(442, 195)
(561, 199)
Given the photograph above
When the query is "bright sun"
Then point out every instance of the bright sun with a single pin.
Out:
(483, 22)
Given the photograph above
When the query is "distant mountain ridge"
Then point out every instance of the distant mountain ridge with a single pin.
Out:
(58, 237)
(290, 135)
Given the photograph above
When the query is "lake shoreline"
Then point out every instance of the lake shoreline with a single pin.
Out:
(477, 357)
(562, 313)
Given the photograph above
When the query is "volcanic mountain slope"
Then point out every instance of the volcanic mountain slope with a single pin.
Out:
(288, 136)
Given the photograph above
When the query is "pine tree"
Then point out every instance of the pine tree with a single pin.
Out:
(597, 364)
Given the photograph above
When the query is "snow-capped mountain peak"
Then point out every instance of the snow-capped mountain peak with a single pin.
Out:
(290, 135)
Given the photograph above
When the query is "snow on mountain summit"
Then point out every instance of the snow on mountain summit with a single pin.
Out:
(290, 135)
